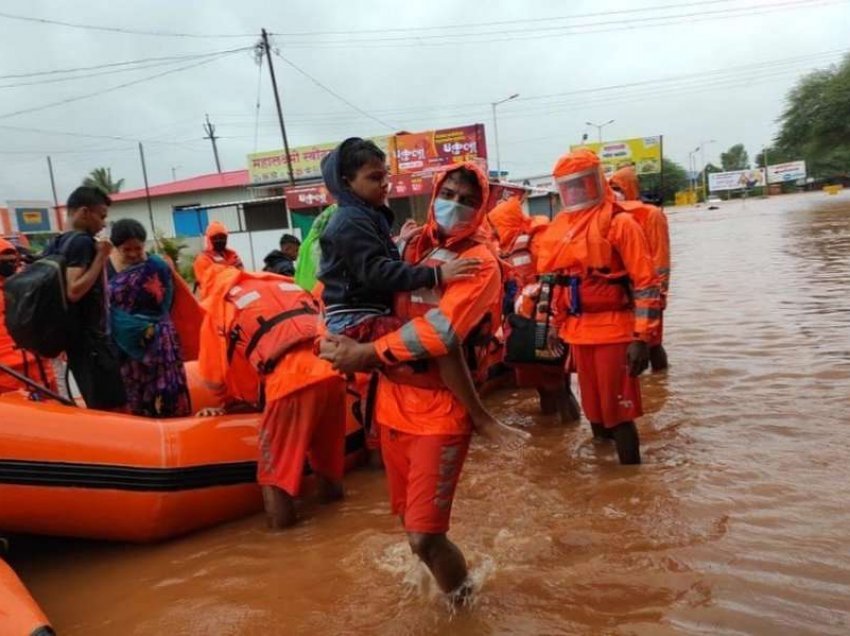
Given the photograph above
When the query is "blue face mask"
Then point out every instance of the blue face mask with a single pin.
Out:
(452, 216)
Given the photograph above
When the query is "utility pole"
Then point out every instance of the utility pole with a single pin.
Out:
(210, 130)
(268, 53)
(55, 198)
(147, 192)
(766, 173)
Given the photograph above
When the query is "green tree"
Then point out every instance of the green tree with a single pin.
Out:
(815, 124)
(675, 180)
(774, 155)
(735, 158)
(102, 178)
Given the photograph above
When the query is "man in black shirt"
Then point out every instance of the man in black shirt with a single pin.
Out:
(282, 261)
(92, 357)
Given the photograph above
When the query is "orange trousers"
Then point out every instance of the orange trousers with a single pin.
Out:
(609, 395)
(308, 424)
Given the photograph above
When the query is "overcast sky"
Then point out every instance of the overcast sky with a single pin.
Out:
(694, 71)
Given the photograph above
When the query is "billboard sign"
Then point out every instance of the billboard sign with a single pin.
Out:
(435, 149)
(736, 179)
(270, 167)
(784, 172)
(643, 152)
(318, 196)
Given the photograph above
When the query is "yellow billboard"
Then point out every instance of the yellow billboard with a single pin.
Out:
(643, 152)
(270, 166)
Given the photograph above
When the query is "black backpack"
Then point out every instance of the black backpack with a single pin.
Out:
(37, 310)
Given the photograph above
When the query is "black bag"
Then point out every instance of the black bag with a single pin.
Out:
(37, 311)
(522, 346)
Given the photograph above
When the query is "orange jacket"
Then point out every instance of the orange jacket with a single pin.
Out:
(209, 256)
(439, 321)
(236, 379)
(652, 221)
(605, 254)
(519, 238)
(17, 359)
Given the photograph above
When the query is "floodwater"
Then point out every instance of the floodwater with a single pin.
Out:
(737, 523)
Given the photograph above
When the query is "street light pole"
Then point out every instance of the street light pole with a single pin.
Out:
(701, 148)
(496, 132)
(599, 127)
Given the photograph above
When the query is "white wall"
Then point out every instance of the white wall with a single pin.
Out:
(253, 246)
(163, 207)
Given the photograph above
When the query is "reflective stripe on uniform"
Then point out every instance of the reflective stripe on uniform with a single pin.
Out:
(441, 254)
(247, 299)
(648, 313)
(443, 326)
(650, 293)
(425, 296)
(411, 340)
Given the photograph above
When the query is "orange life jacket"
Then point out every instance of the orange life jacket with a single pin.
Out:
(589, 267)
(521, 260)
(416, 303)
(269, 320)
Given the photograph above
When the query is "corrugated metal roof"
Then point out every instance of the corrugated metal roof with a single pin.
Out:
(214, 181)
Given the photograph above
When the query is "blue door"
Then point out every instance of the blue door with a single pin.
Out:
(191, 222)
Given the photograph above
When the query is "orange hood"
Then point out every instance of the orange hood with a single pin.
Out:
(578, 238)
(509, 221)
(213, 229)
(430, 237)
(626, 180)
(6, 246)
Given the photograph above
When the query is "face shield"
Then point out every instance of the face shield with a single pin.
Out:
(581, 190)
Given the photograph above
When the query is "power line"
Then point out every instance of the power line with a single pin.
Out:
(141, 67)
(114, 64)
(110, 89)
(126, 31)
(562, 31)
(333, 92)
(475, 25)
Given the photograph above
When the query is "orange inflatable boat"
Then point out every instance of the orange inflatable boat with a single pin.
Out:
(69, 471)
(19, 614)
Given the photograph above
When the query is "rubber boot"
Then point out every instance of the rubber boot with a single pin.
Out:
(280, 508)
(568, 408)
(658, 358)
(548, 401)
(600, 433)
(628, 443)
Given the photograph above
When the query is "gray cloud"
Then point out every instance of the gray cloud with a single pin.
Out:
(410, 82)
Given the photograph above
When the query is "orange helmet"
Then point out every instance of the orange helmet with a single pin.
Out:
(581, 180)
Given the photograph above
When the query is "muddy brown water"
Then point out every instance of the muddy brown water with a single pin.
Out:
(737, 523)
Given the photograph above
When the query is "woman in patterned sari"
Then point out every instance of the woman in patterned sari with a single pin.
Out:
(141, 290)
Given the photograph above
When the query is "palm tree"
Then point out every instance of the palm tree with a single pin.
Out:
(102, 178)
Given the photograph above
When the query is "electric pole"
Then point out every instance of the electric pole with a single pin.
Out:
(268, 52)
(210, 130)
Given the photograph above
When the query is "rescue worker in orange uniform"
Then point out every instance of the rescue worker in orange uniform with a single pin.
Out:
(215, 252)
(518, 237)
(607, 300)
(11, 356)
(653, 222)
(425, 432)
(257, 346)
